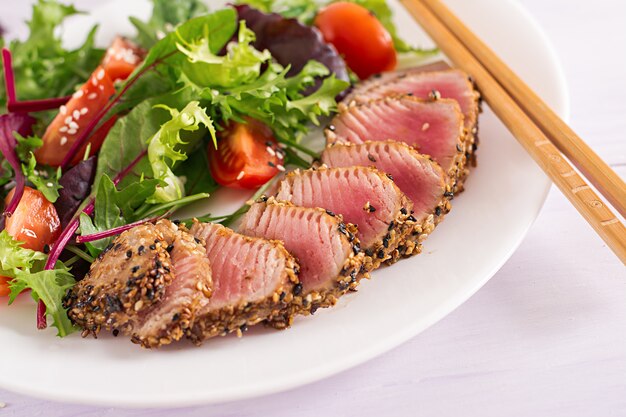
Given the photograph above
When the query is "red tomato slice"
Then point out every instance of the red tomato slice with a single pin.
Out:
(121, 59)
(359, 37)
(34, 222)
(247, 155)
(74, 116)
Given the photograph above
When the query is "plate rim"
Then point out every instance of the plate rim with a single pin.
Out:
(308, 376)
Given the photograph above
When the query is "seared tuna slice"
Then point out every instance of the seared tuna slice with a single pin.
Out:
(451, 83)
(325, 247)
(363, 196)
(419, 177)
(253, 280)
(433, 127)
(149, 285)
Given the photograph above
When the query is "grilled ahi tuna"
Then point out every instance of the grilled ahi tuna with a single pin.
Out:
(363, 196)
(327, 250)
(420, 178)
(148, 284)
(253, 280)
(423, 82)
(433, 127)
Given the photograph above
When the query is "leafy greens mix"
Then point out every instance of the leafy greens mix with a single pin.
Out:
(201, 70)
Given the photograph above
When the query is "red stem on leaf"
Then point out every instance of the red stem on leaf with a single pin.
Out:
(115, 231)
(30, 106)
(9, 76)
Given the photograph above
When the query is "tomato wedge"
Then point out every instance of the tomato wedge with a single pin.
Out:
(247, 155)
(121, 59)
(359, 37)
(34, 222)
(74, 116)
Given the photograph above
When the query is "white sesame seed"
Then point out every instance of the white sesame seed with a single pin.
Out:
(76, 114)
(3, 404)
(49, 185)
(63, 140)
(101, 87)
(270, 151)
(94, 81)
(425, 126)
(78, 94)
(279, 155)
(63, 129)
(282, 145)
(63, 109)
(73, 125)
(240, 176)
(68, 120)
(100, 74)
(72, 131)
(92, 96)
(280, 168)
(84, 110)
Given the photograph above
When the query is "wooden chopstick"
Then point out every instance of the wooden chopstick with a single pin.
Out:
(530, 136)
(606, 181)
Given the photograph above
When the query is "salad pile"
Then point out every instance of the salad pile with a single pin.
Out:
(95, 141)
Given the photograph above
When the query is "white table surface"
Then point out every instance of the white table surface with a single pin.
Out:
(545, 337)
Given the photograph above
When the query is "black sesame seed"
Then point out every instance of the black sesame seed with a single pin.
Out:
(356, 248)
(243, 327)
(389, 176)
(270, 163)
(46, 249)
(197, 240)
(392, 224)
(369, 252)
(176, 222)
(170, 248)
(448, 194)
(458, 148)
(282, 296)
(176, 317)
(371, 157)
(438, 211)
(380, 254)
(314, 309)
(140, 249)
(116, 332)
(371, 208)
(152, 247)
(403, 211)
(129, 254)
(386, 240)
(117, 246)
(135, 268)
(330, 213)
(411, 218)
(297, 289)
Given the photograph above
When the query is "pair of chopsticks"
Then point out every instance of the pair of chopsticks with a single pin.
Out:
(538, 129)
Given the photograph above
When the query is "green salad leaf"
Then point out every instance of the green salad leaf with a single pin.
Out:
(44, 178)
(241, 64)
(166, 15)
(49, 286)
(14, 258)
(43, 68)
(165, 148)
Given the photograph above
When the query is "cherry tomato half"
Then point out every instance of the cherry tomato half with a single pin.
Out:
(359, 37)
(247, 155)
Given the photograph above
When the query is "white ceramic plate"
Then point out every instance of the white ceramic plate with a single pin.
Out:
(504, 195)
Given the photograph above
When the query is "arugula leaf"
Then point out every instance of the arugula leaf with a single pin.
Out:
(14, 258)
(42, 67)
(166, 15)
(46, 179)
(49, 286)
(165, 148)
(240, 65)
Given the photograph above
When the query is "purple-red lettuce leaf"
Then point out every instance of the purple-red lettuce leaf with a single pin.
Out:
(76, 183)
(292, 43)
